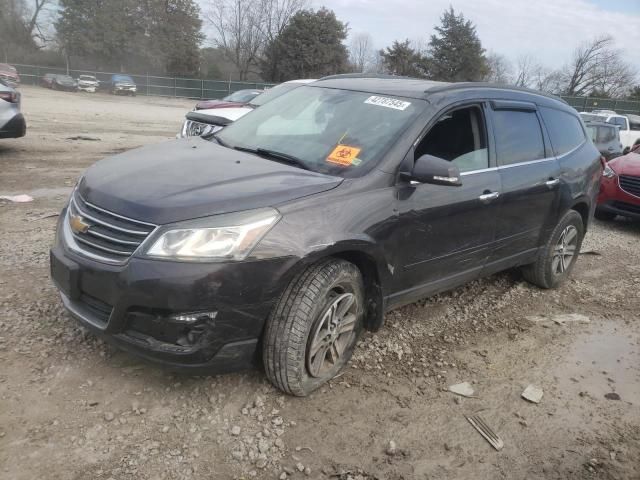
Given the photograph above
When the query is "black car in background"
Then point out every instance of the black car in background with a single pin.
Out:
(297, 227)
(57, 81)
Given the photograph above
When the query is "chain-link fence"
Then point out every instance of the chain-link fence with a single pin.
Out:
(587, 104)
(149, 84)
(198, 88)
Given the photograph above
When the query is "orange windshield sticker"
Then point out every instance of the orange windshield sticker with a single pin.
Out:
(344, 155)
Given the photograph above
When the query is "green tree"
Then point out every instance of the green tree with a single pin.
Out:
(455, 53)
(635, 93)
(310, 46)
(401, 59)
(162, 35)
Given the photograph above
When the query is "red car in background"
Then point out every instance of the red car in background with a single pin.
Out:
(620, 187)
(236, 99)
(9, 74)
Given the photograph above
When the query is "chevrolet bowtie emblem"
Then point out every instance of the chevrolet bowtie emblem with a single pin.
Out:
(77, 224)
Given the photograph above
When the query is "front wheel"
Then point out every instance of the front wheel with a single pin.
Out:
(314, 327)
(558, 256)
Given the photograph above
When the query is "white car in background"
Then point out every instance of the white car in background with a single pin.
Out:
(212, 120)
(88, 83)
(629, 125)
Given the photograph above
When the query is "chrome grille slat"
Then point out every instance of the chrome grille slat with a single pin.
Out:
(630, 184)
(106, 224)
(100, 247)
(103, 234)
(111, 239)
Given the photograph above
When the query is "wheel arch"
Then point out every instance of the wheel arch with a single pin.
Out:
(369, 260)
(583, 207)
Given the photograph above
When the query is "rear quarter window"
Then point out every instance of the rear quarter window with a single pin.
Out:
(565, 130)
(518, 136)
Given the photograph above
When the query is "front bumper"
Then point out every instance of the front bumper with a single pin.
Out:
(134, 306)
(613, 199)
(88, 88)
(14, 128)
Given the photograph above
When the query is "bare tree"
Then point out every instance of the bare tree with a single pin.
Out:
(239, 34)
(527, 69)
(597, 66)
(499, 69)
(361, 51)
(244, 27)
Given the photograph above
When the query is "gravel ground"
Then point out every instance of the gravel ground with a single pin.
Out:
(72, 407)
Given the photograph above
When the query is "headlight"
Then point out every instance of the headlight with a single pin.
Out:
(222, 237)
(608, 172)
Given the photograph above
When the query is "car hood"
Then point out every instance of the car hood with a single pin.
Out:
(217, 104)
(192, 178)
(230, 113)
(628, 164)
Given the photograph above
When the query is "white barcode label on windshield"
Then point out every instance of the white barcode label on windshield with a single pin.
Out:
(387, 102)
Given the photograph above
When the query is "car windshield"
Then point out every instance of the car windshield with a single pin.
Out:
(122, 78)
(591, 117)
(338, 132)
(242, 96)
(274, 93)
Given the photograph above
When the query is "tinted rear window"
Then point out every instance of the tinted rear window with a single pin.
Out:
(518, 136)
(564, 129)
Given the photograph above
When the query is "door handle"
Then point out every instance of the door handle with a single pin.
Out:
(488, 197)
(552, 182)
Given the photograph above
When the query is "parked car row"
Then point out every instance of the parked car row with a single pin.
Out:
(117, 84)
(628, 125)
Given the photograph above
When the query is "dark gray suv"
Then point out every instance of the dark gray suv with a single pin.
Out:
(286, 234)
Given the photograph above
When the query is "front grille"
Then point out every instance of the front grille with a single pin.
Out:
(104, 234)
(627, 207)
(630, 184)
(197, 129)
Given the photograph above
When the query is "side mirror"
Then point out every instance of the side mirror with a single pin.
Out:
(434, 170)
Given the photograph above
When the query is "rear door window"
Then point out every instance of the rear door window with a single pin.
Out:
(518, 136)
(565, 130)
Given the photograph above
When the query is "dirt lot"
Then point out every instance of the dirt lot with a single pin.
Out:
(72, 407)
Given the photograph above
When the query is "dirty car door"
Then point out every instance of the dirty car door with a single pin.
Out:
(445, 233)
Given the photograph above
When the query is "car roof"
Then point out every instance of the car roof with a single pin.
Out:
(423, 89)
(302, 80)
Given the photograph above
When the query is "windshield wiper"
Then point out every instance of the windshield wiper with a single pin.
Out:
(274, 155)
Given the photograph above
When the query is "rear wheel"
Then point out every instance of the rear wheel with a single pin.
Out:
(314, 327)
(558, 256)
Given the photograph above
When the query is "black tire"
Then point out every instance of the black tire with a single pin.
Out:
(604, 215)
(545, 271)
(298, 318)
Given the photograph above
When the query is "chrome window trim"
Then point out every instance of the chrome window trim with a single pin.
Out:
(572, 150)
(528, 162)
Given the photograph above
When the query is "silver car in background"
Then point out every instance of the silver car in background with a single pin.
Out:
(12, 122)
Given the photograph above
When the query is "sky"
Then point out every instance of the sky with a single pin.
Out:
(547, 29)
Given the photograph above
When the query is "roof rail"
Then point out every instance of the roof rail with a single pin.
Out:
(368, 75)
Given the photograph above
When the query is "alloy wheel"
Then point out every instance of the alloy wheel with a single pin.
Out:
(565, 250)
(333, 334)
